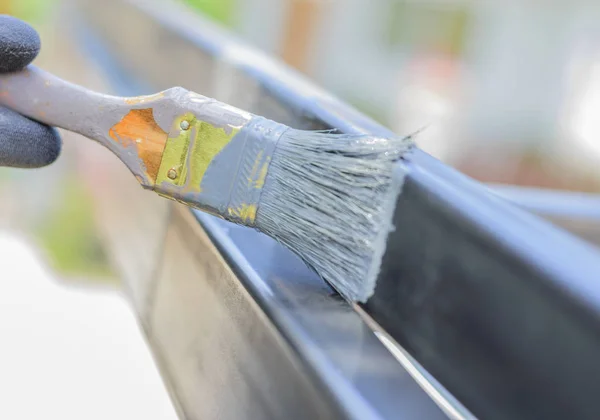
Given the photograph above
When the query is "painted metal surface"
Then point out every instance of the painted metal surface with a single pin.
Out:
(239, 325)
(268, 340)
(501, 307)
(578, 213)
(487, 311)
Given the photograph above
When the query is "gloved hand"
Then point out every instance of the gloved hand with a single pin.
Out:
(24, 143)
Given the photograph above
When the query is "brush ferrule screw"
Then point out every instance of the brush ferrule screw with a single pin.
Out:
(172, 173)
(185, 125)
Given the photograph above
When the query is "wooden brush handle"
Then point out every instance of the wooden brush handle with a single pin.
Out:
(41, 96)
(135, 129)
(124, 126)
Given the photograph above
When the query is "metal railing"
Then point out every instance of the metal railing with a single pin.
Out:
(499, 306)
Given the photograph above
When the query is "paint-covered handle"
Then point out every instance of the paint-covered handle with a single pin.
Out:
(130, 133)
(41, 96)
(183, 145)
(135, 129)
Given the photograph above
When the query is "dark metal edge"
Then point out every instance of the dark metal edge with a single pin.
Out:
(475, 258)
(399, 389)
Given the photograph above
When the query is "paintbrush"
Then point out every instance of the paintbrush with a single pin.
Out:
(326, 196)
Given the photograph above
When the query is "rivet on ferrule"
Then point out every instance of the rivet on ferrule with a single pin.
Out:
(172, 173)
(185, 125)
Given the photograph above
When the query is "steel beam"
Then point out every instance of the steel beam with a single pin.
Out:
(501, 307)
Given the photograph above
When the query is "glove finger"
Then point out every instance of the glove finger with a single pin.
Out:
(19, 44)
(25, 143)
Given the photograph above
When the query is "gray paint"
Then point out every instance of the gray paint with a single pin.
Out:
(327, 198)
(225, 184)
(219, 180)
(260, 139)
(44, 97)
(399, 174)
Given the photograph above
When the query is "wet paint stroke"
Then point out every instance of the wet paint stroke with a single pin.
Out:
(246, 212)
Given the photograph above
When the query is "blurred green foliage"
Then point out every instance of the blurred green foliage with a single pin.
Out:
(218, 10)
(410, 24)
(67, 231)
(69, 237)
(29, 10)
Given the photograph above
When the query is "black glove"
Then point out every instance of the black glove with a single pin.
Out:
(24, 143)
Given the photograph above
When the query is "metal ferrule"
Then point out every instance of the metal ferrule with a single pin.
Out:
(218, 169)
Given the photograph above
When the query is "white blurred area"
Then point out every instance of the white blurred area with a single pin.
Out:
(585, 122)
(70, 352)
(71, 347)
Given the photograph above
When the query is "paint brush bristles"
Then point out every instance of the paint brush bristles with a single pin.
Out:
(325, 198)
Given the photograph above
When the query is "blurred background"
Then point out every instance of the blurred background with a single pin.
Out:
(509, 91)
